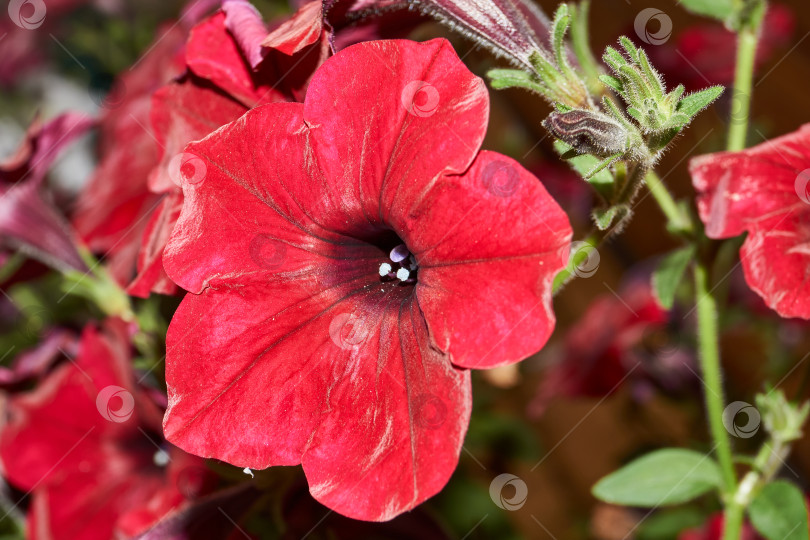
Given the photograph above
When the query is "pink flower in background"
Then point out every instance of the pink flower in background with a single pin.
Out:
(350, 258)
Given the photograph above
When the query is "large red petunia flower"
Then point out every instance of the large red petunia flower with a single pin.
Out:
(349, 258)
(765, 191)
(85, 444)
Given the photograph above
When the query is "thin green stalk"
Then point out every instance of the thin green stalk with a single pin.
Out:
(709, 349)
(677, 220)
(743, 79)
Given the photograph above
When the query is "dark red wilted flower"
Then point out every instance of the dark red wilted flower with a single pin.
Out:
(85, 444)
(619, 340)
(349, 258)
(29, 220)
(764, 190)
(229, 72)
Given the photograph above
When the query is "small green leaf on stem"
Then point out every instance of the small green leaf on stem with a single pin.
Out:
(668, 275)
(694, 103)
(664, 477)
(778, 512)
(511, 78)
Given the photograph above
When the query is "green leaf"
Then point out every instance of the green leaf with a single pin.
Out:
(778, 512)
(611, 82)
(559, 27)
(668, 275)
(668, 523)
(513, 78)
(716, 9)
(694, 103)
(584, 164)
(664, 477)
(604, 217)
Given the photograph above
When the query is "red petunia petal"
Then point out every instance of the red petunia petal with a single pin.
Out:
(763, 190)
(182, 112)
(488, 244)
(246, 26)
(151, 276)
(371, 150)
(301, 30)
(213, 54)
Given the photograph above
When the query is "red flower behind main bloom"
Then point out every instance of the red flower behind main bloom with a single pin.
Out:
(219, 86)
(765, 191)
(80, 445)
(304, 341)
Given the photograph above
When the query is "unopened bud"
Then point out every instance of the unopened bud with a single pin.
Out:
(588, 132)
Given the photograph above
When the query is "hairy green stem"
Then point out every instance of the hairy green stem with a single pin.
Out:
(709, 354)
(743, 79)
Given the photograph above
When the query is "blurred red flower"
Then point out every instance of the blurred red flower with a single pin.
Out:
(620, 339)
(111, 210)
(349, 257)
(764, 190)
(29, 219)
(85, 444)
(704, 54)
